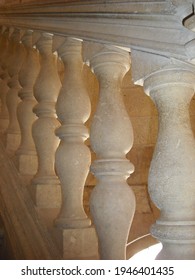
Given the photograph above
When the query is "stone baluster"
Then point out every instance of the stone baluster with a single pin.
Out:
(26, 153)
(15, 61)
(1, 37)
(172, 176)
(4, 53)
(4, 35)
(2, 30)
(45, 184)
(112, 201)
(73, 157)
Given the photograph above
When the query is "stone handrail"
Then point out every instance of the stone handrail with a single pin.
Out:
(152, 26)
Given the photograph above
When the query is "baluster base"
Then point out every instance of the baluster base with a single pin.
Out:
(77, 244)
(46, 195)
(12, 142)
(177, 251)
(178, 239)
(26, 164)
(3, 124)
(75, 222)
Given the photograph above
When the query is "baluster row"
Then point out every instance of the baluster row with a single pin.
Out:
(4, 45)
(43, 122)
(59, 164)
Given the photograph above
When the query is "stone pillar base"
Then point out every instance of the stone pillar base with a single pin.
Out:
(78, 244)
(3, 125)
(12, 143)
(46, 196)
(26, 164)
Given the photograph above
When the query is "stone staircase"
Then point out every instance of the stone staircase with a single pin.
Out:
(28, 237)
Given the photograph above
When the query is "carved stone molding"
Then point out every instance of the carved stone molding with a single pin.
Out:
(130, 24)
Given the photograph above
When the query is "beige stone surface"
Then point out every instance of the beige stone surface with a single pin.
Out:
(14, 63)
(4, 53)
(46, 196)
(145, 121)
(27, 77)
(3, 125)
(72, 157)
(111, 138)
(171, 179)
(77, 243)
(12, 142)
(46, 90)
(27, 164)
(25, 232)
(80, 244)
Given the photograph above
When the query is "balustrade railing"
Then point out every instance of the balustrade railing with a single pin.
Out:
(43, 118)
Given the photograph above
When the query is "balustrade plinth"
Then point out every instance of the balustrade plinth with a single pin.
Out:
(3, 124)
(12, 142)
(77, 243)
(46, 195)
(26, 164)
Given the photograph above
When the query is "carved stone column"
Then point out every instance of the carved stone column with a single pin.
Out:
(4, 53)
(45, 184)
(73, 157)
(26, 153)
(15, 61)
(172, 176)
(112, 201)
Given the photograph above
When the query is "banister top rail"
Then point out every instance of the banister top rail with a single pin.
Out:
(151, 26)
